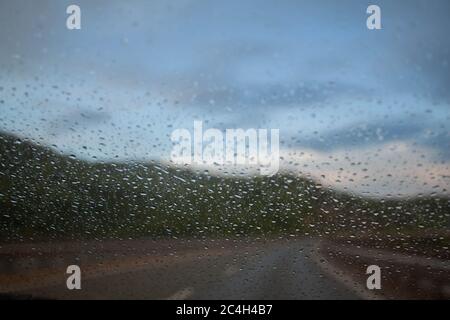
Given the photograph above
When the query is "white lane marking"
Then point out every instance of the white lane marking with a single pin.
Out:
(182, 294)
(343, 277)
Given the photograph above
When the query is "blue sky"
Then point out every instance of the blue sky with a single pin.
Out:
(137, 70)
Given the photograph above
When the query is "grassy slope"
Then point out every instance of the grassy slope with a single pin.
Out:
(44, 195)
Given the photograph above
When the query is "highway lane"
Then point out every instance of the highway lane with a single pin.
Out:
(246, 270)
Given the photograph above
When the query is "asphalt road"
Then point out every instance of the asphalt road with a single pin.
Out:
(215, 270)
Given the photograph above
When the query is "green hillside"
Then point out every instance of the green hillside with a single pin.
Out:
(44, 196)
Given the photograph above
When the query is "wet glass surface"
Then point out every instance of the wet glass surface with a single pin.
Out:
(88, 175)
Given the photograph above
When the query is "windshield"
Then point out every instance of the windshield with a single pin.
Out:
(224, 149)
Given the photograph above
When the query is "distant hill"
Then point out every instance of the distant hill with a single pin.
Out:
(45, 195)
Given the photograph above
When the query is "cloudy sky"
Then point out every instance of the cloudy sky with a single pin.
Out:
(366, 111)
